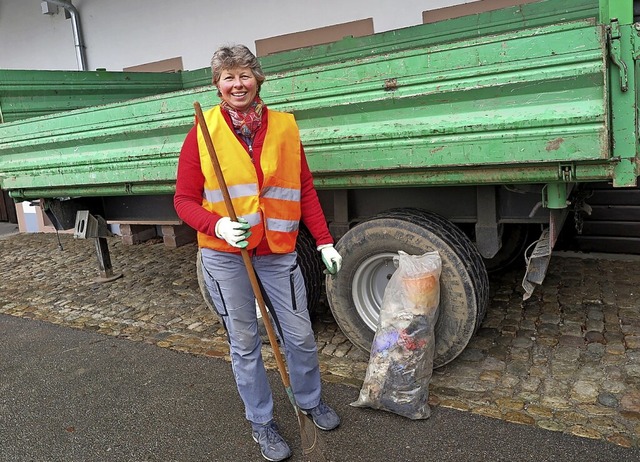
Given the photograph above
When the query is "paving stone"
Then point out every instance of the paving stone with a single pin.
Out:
(589, 373)
(539, 412)
(616, 349)
(531, 384)
(490, 376)
(595, 326)
(556, 402)
(550, 425)
(548, 341)
(472, 355)
(630, 402)
(605, 425)
(571, 341)
(595, 313)
(633, 370)
(519, 418)
(487, 412)
(455, 404)
(550, 320)
(595, 351)
(620, 440)
(509, 382)
(518, 368)
(632, 342)
(584, 432)
(593, 336)
(522, 342)
(342, 349)
(492, 364)
(510, 404)
(329, 349)
(584, 392)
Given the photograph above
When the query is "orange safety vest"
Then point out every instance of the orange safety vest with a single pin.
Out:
(274, 210)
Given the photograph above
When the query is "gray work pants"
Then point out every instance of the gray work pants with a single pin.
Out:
(227, 281)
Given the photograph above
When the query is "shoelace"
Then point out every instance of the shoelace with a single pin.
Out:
(321, 409)
(272, 435)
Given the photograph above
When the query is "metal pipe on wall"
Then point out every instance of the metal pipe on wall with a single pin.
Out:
(77, 31)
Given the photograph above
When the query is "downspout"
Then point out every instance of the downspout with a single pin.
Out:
(77, 31)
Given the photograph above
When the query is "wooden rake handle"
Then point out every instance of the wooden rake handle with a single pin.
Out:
(245, 254)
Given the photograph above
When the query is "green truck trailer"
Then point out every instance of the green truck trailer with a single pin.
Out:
(464, 136)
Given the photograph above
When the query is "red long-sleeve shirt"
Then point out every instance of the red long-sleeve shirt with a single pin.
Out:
(190, 186)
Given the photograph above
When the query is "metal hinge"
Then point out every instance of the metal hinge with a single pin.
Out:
(567, 172)
(615, 54)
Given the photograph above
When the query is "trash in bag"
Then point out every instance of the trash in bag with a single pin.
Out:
(401, 362)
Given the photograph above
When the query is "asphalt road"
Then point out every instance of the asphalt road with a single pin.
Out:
(69, 395)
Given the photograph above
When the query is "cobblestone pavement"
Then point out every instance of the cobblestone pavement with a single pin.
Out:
(566, 360)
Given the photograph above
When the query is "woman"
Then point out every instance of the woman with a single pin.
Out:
(272, 190)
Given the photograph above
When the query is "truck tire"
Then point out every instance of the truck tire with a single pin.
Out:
(310, 264)
(515, 239)
(355, 293)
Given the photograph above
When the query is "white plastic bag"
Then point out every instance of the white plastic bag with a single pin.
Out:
(401, 362)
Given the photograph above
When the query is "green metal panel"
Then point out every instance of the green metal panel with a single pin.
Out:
(618, 9)
(515, 18)
(521, 106)
(124, 148)
(196, 78)
(503, 100)
(25, 94)
(623, 51)
(352, 48)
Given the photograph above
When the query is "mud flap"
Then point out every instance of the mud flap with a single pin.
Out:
(537, 264)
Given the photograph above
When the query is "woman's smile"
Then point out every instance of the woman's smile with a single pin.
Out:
(238, 87)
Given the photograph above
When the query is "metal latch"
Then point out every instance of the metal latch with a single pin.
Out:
(616, 55)
(567, 172)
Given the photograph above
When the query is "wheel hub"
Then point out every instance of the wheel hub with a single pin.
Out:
(369, 282)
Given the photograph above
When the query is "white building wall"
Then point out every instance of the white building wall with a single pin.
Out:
(123, 33)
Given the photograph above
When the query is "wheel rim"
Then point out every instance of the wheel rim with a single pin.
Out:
(369, 282)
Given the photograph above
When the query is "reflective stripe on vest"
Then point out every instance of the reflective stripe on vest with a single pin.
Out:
(235, 191)
(279, 199)
(283, 226)
(286, 194)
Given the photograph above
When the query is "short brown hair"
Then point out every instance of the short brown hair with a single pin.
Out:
(233, 56)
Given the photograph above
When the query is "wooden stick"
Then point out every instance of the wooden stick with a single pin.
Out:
(245, 254)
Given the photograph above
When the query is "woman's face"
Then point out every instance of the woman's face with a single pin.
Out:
(238, 87)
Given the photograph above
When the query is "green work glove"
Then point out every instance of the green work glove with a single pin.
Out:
(331, 258)
(235, 233)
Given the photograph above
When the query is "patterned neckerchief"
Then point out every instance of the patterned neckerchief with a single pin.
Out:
(246, 123)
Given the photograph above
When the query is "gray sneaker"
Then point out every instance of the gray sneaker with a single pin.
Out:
(272, 446)
(323, 416)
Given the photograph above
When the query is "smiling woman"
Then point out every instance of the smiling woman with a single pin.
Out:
(271, 188)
